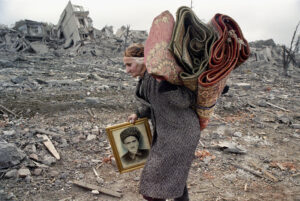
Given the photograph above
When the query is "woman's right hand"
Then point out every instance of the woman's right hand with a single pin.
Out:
(132, 118)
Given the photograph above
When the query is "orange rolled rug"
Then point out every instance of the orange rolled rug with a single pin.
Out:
(229, 51)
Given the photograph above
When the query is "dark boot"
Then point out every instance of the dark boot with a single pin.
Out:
(152, 199)
(184, 197)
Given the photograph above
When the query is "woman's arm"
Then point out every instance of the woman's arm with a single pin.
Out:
(143, 111)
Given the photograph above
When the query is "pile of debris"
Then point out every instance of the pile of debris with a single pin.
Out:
(62, 85)
(266, 51)
(74, 29)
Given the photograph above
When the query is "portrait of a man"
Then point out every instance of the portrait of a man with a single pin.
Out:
(131, 138)
(130, 144)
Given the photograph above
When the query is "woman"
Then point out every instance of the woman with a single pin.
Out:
(176, 130)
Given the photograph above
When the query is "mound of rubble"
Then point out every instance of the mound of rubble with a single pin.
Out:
(57, 98)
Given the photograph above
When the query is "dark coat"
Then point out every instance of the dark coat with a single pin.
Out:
(176, 132)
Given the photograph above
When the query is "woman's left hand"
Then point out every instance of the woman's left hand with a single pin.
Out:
(132, 118)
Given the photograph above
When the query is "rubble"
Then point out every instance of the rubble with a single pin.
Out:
(266, 51)
(72, 94)
(10, 155)
(32, 31)
(75, 25)
(74, 31)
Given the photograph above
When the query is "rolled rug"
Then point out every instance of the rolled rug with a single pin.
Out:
(228, 52)
(191, 43)
(160, 62)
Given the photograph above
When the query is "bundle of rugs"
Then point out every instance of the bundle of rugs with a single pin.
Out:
(197, 55)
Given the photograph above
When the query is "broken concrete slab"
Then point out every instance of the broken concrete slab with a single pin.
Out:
(11, 174)
(10, 155)
(24, 172)
(39, 47)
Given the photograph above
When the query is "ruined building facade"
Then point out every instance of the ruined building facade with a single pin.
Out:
(75, 25)
(32, 30)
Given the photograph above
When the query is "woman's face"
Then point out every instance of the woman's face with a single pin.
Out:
(132, 144)
(135, 69)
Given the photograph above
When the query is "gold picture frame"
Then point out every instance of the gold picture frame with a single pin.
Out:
(130, 144)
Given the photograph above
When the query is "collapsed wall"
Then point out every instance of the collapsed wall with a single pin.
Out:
(75, 25)
(73, 33)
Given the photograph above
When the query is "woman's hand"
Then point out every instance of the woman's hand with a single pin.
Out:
(132, 118)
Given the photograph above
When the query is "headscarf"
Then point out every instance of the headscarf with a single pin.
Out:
(138, 60)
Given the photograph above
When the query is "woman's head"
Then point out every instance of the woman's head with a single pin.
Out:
(134, 60)
(134, 50)
(130, 138)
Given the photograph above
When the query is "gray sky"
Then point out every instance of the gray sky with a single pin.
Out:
(259, 20)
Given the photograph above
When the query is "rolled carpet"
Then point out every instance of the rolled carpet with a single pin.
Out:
(191, 43)
(194, 54)
(159, 61)
(228, 52)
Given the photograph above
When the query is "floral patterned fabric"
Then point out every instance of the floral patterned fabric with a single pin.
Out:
(159, 60)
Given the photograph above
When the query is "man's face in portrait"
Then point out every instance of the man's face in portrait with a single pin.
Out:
(132, 144)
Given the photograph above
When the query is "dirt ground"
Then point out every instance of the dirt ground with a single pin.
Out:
(268, 132)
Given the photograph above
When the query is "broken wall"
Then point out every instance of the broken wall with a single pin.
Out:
(75, 25)
(32, 30)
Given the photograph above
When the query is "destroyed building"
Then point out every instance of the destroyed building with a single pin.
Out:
(74, 29)
(132, 36)
(75, 25)
(32, 30)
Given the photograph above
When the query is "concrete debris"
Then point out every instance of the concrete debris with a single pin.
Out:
(100, 189)
(37, 171)
(10, 155)
(75, 25)
(263, 43)
(71, 88)
(230, 147)
(24, 172)
(31, 30)
(49, 160)
(39, 47)
(266, 51)
(106, 32)
(95, 192)
(91, 137)
(72, 94)
(74, 29)
(133, 36)
(11, 174)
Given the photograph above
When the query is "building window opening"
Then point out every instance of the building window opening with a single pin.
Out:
(84, 36)
(78, 8)
(81, 21)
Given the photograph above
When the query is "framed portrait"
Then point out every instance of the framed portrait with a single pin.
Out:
(130, 144)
